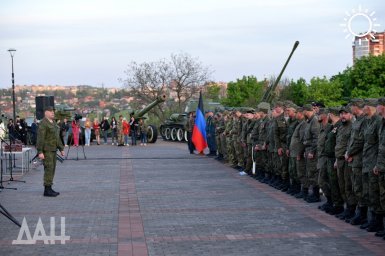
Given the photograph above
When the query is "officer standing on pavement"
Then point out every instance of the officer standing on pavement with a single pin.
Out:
(48, 142)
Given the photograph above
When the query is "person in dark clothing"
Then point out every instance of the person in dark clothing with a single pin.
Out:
(105, 126)
(134, 130)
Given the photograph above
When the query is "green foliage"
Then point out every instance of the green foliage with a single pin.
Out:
(296, 91)
(325, 91)
(368, 77)
(244, 92)
(213, 92)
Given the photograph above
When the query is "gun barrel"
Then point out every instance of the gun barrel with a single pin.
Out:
(158, 100)
(268, 94)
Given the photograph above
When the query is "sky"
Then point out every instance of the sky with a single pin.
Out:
(91, 42)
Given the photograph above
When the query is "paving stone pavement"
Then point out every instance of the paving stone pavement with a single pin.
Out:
(160, 200)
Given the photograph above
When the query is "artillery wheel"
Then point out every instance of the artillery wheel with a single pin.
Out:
(152, 134)
(174, 133)
(180, 134)
(167, 133)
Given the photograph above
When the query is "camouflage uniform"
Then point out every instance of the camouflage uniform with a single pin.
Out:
(380, 164)
(344, 172)
(249, 151)
(297, 161)
(237, 131)
(270, 143)
(354, 150)
(261, 142)
(323, 178)
(310, 142)
(230, 141)
(220, 128)
(48, 142)
(330, 144)
(292, 158)
(280, 132)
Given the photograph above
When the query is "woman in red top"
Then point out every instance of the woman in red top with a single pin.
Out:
(75, 132)
(126, 131)
(96, 127)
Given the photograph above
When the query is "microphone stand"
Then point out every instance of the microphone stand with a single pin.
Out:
(1, 163)
(11, 138)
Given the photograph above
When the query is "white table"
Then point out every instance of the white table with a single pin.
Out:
(25, 159)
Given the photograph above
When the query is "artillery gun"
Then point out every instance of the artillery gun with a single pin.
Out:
(174, 127)
(152, 131)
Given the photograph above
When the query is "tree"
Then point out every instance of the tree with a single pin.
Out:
(147, 81)
(296, 91)
(245, 92)
(212, 91)
(188, 75)
(325, 91)
(368, 77)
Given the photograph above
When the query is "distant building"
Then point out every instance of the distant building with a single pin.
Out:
(367, 45)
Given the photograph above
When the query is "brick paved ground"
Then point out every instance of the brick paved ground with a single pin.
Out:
(159, 200)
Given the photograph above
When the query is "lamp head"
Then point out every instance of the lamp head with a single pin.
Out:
(12, 51)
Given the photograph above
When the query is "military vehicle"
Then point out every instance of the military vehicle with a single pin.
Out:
(174, 127)
(152, 131)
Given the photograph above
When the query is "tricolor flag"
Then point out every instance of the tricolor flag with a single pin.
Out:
(199, 138)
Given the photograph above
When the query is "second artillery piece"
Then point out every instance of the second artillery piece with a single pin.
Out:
(152, 131)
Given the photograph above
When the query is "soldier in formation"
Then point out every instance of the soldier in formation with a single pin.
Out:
(312, 150)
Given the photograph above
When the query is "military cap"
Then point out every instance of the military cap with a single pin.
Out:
(263, 107)
(371, 102)
(334, 110)
(381, 101)
(344, 109)
(308, 107)
(357, 102)
(299, 109)
(291, 105)
(323, 111)
(279, 104)
(49, 108)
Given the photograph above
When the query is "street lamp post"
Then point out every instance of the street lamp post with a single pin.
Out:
(12, 52)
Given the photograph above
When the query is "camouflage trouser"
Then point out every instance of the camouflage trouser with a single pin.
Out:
(223, 146)
(121, 137)
(49, 163)
(357, 186)
(301, 172)
(323, 177)
(277, 164)
(375, 194)
(270, 166)
(333, 183)
(381, 181)
(238, 151)
(345, 182)
(219, 147)
(293, 169)
(284, 166)
(230, 151)
(249, 152)
(311, 171)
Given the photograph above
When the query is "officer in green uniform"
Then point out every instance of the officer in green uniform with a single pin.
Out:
(251, 121)
(291, 112)
(354, 158)
(280, 159)
(296, 149)
(330, 144)
(48, 142)
(310, 142)
(270, 144)
(260, 146)
(370, 184)
(323, 178)
(379, 169)
(344, 171)
(219, 128)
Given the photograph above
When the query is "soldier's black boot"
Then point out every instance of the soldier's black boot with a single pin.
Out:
(360, 217)
(291, 188)
(303, 194)
(377, 224)
(350, 213)
(342, 215)
(286, 185)
(53, 191)
(326, 206)
(48, 192)
(315, 197)
(297, 189)
(335, 210)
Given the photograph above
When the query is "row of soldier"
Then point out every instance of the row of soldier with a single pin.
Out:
(304, 150)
